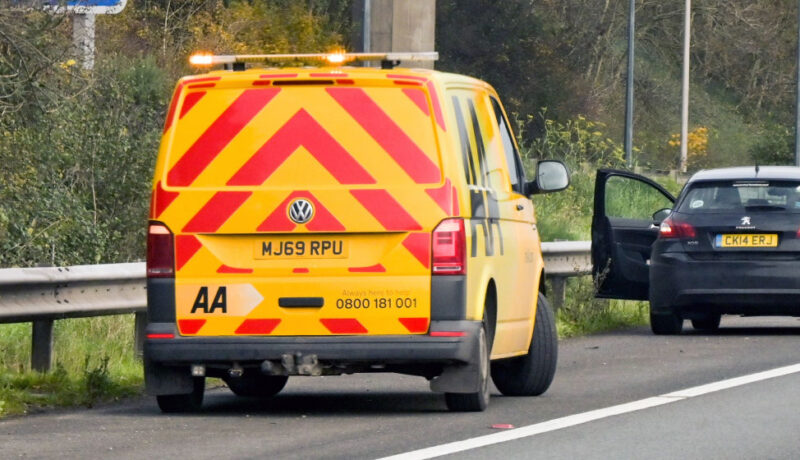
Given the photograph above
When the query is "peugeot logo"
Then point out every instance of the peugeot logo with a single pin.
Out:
(746, 220)
(301, 211)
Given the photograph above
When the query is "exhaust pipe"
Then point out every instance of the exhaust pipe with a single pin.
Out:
(236, 371)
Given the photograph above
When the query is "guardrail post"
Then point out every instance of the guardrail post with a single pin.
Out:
(558, 283)
(564, 259)
(140, 324)
(42, 345)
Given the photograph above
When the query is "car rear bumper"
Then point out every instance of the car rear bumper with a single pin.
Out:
(329, 349)
(747, 287)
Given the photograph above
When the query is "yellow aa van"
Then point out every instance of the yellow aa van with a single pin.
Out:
(334, 220)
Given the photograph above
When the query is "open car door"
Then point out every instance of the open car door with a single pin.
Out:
(624, 227)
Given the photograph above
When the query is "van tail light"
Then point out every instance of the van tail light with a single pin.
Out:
(449, 248)
(671, 228)
(160, 251)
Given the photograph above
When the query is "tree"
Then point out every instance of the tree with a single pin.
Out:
(507, 44)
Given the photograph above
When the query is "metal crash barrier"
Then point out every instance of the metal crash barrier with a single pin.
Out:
(42, 295)
(564, 259)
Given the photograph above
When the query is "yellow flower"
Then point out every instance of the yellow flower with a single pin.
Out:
(67, 64)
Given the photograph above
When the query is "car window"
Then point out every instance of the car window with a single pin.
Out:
(710, 197)
(632, 199)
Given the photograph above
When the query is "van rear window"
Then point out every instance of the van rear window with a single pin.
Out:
(304, 136)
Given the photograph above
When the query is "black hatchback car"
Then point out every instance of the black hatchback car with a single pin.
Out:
(728, 244)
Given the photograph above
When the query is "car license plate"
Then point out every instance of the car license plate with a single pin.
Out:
(747, 240)
(301, 248)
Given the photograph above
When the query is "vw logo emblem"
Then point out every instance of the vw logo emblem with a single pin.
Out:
(301, 211)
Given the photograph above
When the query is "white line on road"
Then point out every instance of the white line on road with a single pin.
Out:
(577, 419)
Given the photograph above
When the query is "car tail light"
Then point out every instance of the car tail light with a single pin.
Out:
(160, 252)
(449, 248)
(671, 228)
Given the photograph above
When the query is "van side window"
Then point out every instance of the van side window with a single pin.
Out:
(479, 144)
(512, 157)
(475, 130)
(490, 159)
(466, 148)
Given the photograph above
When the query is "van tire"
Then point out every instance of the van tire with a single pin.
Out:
(474, 402)
(532, 374)
(186, 402)
(257, 386)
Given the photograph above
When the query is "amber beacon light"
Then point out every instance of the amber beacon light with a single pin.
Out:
(335, 58)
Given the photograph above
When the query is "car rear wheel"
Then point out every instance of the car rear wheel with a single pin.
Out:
(531, 375)
(257, 386)
(709, 322)
(666, 323)
(474, 402)
(186, 402)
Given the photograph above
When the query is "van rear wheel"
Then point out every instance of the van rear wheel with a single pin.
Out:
(474, 402)
(532, 374)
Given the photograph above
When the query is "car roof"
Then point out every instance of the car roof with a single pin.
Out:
(748, 173)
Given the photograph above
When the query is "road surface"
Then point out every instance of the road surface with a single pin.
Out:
(380, 415)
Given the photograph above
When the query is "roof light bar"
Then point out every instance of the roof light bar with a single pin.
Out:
(204, 59)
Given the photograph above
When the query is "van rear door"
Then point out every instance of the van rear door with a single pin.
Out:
(302, 203)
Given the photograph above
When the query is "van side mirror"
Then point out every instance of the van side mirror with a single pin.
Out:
(551, 176)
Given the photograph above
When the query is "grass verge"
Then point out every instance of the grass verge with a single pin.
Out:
(582, 314)
(93, 358)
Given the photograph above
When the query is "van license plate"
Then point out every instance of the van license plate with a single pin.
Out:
(301, 249)
(750, 240)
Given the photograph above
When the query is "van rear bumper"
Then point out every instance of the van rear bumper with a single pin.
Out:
(333, 349)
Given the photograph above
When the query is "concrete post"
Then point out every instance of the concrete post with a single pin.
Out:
(402, 25)
(558, 285)
(83, 39)
(42, 345)
(140, 324)
(381, 26)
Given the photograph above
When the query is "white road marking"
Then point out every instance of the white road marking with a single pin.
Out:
(577, 419)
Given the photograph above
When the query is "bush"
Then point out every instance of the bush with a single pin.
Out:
(775, 146)
(582, 145)
(577, 142)
(77, 192)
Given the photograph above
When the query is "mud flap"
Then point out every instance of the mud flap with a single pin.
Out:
(166, 380)
(463, 377)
